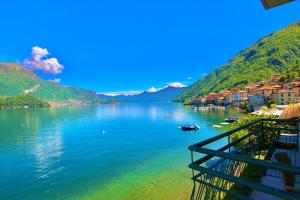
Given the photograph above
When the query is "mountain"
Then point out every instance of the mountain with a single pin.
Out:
(165, 94)
(16, 80)
(278, 52)
(116, 97)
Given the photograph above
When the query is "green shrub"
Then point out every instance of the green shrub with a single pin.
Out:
(273, 106)
(264, 108)
(271, 101)
(187, 102)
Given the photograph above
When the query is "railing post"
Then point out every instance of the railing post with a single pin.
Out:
(262, 131)
(193, 174)
(262, 136)
(298, 141)
(228, 142)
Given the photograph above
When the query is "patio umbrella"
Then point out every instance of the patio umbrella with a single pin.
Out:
(292, 111)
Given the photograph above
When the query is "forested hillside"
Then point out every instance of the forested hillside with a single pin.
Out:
(16, 80)
(278, 52)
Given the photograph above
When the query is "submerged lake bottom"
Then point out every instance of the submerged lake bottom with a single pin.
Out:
(109, 152)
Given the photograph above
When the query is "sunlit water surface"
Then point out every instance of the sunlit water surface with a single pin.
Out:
(125, 151)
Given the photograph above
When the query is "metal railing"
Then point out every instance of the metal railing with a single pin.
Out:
(217, 172)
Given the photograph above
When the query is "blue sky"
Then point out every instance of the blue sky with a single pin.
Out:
(116, 45)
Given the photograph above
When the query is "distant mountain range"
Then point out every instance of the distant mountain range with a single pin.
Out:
(168, 93)
(16, 80)
(278, 52)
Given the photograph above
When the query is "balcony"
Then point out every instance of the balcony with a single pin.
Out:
(259, 160)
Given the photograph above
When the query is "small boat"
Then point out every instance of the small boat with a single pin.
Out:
(230, 120)
(224, 123)
(217, 126)
(190, 127)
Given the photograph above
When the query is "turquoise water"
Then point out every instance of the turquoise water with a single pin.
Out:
(87, 151)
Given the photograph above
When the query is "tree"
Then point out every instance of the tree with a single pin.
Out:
(271, 101)
(187, 102)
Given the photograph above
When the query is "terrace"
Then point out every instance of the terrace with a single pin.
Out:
(259, 160)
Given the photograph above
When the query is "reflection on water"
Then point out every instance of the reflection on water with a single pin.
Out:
(19, 125)
(153, 112)
(59, 153)
(48, 150)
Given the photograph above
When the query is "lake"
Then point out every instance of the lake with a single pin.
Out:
(123, 151)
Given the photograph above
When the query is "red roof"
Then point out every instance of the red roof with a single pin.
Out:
(285, 91)
(267, 88)
(212, 96)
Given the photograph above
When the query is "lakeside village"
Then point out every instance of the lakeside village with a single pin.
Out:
(268, 97)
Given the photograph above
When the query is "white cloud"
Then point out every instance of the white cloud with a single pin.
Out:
(152, 89)
(56, 80)
(39, 61)
(189, 78)
(176, 85)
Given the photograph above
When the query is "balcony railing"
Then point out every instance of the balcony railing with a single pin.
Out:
(234, 171)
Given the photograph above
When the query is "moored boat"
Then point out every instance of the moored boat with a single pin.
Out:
(230, 120)
(217, 126)
(194, 127)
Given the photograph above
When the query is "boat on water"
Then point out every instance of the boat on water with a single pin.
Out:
(217, 126)
(224, 123)
(194, 127)
(230, 120)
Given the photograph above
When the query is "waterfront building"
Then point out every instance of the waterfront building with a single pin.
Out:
(284, 97)
(255, 102)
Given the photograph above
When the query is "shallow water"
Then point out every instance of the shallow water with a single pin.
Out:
(125, 151)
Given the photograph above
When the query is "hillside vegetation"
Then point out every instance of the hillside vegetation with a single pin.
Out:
(278, 52)
(15, 80)
(22, 101)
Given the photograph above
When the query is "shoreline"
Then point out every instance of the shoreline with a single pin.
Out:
(51, 105)
(141, 184)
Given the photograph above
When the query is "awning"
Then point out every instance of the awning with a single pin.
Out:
(274, 3)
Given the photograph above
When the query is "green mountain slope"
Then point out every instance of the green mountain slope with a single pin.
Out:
(275, 53)
(16, 80)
